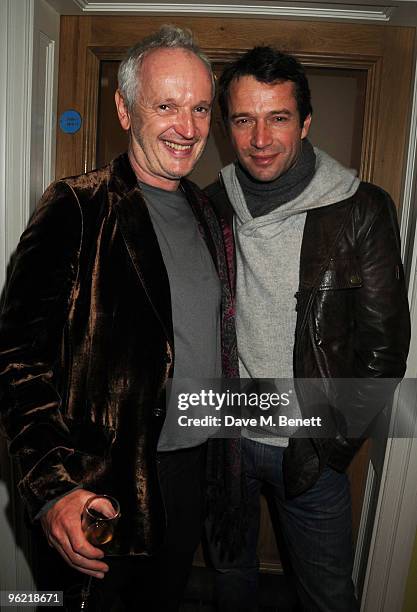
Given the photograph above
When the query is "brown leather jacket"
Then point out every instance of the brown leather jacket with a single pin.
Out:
(352, 317)
(86, 346)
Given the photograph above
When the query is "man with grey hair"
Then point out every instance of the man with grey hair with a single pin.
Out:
(116, 268)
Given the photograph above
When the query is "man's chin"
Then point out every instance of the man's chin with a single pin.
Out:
(176, 175)
(264, 175)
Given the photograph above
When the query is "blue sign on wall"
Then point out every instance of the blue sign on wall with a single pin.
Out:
(70, 121)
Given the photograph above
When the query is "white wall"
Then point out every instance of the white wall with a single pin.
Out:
(29, 35)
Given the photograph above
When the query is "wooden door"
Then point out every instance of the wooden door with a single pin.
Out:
(378, 58)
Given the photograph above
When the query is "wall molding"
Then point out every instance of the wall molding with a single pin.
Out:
(18, 125)
(303, 10)
(3, 118)
(394, 529)
(27, 73)
(363, 525)
(43, 116)
(408, 208)
(48, 170)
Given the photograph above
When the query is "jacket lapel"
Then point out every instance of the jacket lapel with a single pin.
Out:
(142, 244)
(203, 220)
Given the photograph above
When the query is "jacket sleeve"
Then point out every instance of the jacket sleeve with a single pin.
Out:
(381, 310)
(381, 323)
(37, 298)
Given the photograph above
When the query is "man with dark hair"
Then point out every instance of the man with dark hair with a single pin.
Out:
(117, 267)
(320, 294)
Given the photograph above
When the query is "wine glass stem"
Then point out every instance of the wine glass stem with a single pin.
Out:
(85, 593)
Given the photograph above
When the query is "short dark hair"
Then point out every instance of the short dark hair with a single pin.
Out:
(267, 65)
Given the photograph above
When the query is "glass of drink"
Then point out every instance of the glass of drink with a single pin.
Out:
(98, 521)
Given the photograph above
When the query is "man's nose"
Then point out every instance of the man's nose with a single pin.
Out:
(185, 125)
(261, 135)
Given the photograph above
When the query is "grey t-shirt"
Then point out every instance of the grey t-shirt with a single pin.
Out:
(195, 300)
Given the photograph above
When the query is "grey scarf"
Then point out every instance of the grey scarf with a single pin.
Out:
(261, 198)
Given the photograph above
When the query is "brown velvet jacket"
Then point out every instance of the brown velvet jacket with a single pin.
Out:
(86, 346)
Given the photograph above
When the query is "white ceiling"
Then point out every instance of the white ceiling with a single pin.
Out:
(396, 12)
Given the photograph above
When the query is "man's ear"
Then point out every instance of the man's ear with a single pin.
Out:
(122, 112)
(306, 126)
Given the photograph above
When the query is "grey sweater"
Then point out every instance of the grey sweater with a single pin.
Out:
(267, 268)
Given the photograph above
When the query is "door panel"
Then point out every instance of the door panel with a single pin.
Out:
(361, 100)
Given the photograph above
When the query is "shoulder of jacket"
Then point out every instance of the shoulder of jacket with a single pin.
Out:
(65, 205)
(365, 204)
(372, 202)
(369, 207)
(88, 194)
(85, 186)
(373, 196)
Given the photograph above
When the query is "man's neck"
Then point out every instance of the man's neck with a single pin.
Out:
(264, 197)
(148, 178)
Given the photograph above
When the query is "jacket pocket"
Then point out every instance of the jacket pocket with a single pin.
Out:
(341, 274)
(91, 462)
(333, 311)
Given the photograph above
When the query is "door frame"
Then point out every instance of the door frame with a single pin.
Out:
(395, 522)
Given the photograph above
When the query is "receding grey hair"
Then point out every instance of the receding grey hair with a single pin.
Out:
(167, 37)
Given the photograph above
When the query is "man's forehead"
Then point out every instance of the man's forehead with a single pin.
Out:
(168, 59)
(174, 73)
(250, 83)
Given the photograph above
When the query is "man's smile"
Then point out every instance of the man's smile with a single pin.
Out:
(177, 146)
(263, 160)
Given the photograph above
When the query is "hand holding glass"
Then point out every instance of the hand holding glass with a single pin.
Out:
(98, 522)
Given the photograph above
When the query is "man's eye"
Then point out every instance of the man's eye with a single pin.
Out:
(280, 119)
(242, 121)
(163, 107)
(202, 109)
